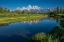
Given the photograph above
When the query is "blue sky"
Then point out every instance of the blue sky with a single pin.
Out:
(13, 4)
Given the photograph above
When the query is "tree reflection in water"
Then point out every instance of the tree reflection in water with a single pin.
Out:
(4, 24)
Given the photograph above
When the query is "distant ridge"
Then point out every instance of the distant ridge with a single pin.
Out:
(34, 9)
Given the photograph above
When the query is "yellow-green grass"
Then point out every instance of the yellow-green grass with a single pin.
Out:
(20, 17)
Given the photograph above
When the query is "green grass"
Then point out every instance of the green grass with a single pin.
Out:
(4, 18)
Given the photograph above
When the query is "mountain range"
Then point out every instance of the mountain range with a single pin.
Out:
(34, 9)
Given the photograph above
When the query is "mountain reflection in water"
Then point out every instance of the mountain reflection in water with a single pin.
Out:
(19, 31)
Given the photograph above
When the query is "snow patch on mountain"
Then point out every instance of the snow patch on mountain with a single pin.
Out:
(34, 9)
(29, 8)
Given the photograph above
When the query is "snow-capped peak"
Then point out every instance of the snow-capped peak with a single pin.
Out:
(34, 9)
(28, 8)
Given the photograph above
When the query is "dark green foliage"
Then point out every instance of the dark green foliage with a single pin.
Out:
(62, 23)
(39, 37)
(55, 11)
(58, 10)
(4, 10)
(1, 9)
(58, 32)
(63, 11)
(42, 37)
(23, 12)
(8, 10)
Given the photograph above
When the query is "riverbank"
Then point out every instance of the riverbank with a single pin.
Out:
(21, 17)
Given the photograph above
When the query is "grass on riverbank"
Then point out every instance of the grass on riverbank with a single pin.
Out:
(19, 17)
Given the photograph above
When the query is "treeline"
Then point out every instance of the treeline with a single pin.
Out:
(57, 10)
(6, 10)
